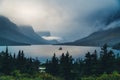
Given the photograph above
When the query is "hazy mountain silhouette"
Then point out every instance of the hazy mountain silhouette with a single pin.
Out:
(43, 33)
(47, 34)
(11, 34)
(110, 36)
(30, 33)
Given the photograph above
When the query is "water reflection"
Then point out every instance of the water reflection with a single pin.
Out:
(46, 51)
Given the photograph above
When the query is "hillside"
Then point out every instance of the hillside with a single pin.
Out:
(11, 34)
(99, 38)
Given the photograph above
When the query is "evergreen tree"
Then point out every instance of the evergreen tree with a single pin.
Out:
(66, 62)
(94, 63)
(107, 58)
(103, 59)
(48, 66)
(88, 64)
(36, 65)
(111, 61)
(20, 61)
(117, 61)
(9, 63)
(62, 63)
(6, 62)
(78, 67)
(54, 65)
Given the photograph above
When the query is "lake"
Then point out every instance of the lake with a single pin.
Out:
(44, 52)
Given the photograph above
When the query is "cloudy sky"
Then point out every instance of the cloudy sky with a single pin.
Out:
(68, 19)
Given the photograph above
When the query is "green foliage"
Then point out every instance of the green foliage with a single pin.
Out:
(19, 76)
(10, 63)
(66, 66)
(7, 78)
(114, 76)
(61, 67)
(89, 78)
(16, 73)
(94, 66)
(107, 60)
(52, 66)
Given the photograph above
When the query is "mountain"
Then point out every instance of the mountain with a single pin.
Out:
(47, 34)
(11, 34)
(110, 36)
(43, 33)
(6, 42)
(30, 33)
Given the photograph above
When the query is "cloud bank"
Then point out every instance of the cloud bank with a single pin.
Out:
(69, 19)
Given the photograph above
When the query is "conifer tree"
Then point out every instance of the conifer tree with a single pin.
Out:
(66, 62)
(88, 64)
(94, 63)
(54, 65)
(107, 58)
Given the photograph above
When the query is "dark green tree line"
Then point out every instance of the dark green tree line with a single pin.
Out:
(10, 63)
(60, 66)
(96, 63)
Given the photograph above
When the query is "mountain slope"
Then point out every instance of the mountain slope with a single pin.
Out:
(12, 34)
(43, 33)
(35, 38)
(48, 35)
(99, 38)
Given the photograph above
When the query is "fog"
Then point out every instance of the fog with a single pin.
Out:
(67, 19)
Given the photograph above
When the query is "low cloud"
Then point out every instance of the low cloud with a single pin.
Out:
(69, 19)
(52, 38)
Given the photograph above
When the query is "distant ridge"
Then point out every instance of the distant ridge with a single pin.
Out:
(43, 33)
(110, 36)
(11, 34)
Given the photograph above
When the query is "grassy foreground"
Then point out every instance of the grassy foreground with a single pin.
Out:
(45, 76)
(113, 76)
(16, 75)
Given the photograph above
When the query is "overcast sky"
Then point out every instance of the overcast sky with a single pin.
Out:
(69, 19)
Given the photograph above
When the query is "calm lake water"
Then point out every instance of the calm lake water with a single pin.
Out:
(44, 52)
